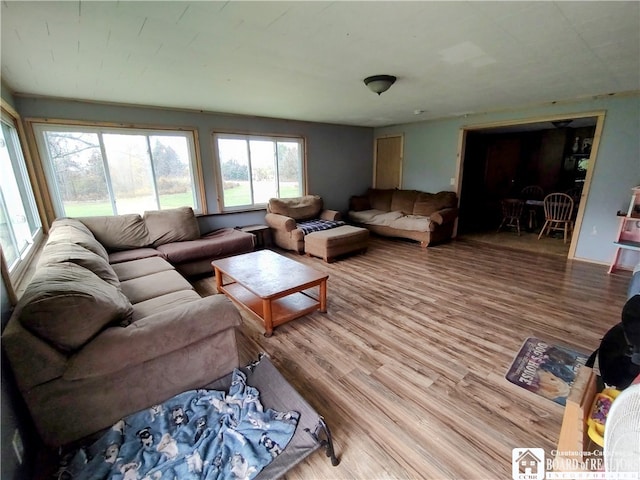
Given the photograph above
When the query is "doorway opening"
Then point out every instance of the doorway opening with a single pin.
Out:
(503, 161)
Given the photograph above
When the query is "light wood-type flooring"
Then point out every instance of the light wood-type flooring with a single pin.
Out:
(407, 366)
(527, 241)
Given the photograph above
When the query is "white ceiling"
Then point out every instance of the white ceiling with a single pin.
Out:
(306, 60)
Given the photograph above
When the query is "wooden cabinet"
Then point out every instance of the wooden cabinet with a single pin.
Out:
(628, 237)
(576, 452)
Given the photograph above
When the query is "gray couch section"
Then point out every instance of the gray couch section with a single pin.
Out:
(92, 341)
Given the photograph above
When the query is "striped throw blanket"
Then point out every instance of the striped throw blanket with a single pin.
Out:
(318, 225)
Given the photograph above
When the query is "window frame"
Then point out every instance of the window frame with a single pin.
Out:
(38, 126)
(248, 136)
(13, 274)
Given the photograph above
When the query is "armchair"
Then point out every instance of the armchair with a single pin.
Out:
(284, 214)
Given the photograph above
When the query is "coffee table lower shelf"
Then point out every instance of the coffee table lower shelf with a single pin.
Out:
(283, 309)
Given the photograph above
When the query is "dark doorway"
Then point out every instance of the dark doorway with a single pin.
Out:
(500, 162)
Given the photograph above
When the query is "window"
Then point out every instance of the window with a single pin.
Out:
(20, 225)
(109, 171)
(255, 168)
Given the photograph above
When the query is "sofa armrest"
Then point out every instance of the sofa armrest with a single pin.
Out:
(333, 215)
(151, 337)
(280, 222)
(445, 215)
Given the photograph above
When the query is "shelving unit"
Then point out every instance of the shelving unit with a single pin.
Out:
(628, 237)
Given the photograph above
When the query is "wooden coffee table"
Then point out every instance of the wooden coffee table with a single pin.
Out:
(274, 287)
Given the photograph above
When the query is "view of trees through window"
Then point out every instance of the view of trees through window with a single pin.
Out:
(107, 172)
(254, 169)
(19, 220)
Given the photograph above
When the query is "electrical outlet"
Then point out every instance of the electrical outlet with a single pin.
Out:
(452, 181)
(594, 230)
(18, 447)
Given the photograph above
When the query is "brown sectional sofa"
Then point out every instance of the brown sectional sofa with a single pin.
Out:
(428, 218)
(97, 335)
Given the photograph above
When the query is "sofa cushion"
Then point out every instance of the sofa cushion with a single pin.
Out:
(403, 200)
(70, 222)
(375, 217)
(427, 203)
(119, 232)
(415, 223)
(298, 208)
(140, 268)
(75, 253)
(66, 232)
(380, 199)
(150, 286)
(173, 225)
(66, 305)
(219, 243)
(163, 303)
(359, 203)
(134, 254)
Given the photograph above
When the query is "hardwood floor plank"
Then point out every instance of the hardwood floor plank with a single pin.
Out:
(408, 364)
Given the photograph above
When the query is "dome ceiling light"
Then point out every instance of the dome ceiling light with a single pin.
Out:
(379, 83)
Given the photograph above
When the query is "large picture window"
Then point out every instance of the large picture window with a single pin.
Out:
(253, 169)
(109, 171)
(20, 225)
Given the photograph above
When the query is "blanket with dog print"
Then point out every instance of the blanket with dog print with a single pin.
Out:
(199, 434)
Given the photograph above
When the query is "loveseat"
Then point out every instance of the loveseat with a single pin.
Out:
(428, 218)
(284, 216)
(91, 341)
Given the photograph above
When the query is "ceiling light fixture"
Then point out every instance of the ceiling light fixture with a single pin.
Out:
(561, 123)
(379, 83)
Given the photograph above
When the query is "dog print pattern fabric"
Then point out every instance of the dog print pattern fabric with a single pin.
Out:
(199, 434)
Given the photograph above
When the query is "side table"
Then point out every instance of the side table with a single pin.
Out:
(262, 233)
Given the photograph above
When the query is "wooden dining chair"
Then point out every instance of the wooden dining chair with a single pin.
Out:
(532, 192)
(511, 213)
(558, 209)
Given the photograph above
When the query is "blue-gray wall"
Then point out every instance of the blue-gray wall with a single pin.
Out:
(430, 159)
(339, 158)
(340, 165)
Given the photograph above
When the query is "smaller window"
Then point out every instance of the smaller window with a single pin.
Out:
(254, 168)
(20, 225)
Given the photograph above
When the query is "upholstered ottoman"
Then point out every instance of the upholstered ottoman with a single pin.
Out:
(329, 244)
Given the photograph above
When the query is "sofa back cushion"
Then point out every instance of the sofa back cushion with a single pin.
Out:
(68, 230)
(72, 223)
(427, 203)
(67, 305)
(119, 232)
(298, 208)
(359, 203)
(403, 201)
(380, 199)
(173, 225)
(75, 253)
